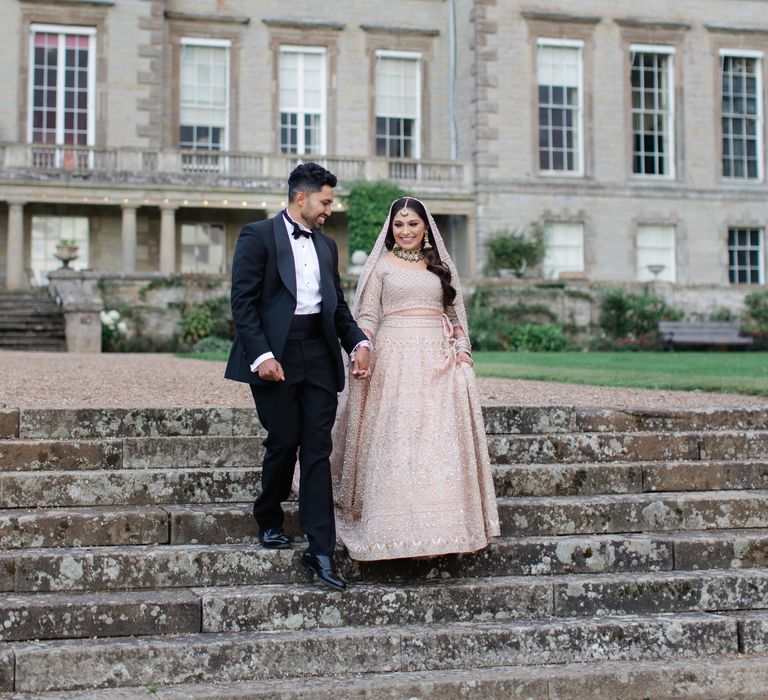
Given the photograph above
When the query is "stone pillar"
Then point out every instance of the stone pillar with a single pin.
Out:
(129, 238)
(14, 271)
(167, 240)
(81, 303)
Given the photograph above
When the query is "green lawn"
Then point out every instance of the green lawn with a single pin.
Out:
(740, 372)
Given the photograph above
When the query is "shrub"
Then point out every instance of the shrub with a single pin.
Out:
(489, 330)
(501, 329)
(211, 344)
(629, 316)
(210, 318)
(516, 250)
(367, 208)
(538, 337)
(757, 308)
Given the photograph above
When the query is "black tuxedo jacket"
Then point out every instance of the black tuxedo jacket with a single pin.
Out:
(264, 299)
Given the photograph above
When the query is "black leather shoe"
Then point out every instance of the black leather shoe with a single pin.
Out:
(322, 566)
(274, 538)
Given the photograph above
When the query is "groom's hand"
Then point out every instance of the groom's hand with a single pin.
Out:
(361, 363)
(271, 370)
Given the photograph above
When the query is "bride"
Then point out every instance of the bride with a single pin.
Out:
(411, 467)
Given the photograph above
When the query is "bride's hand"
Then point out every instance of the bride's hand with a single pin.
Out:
(464, 358)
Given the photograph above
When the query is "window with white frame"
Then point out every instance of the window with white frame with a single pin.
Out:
(745, 256)
(653, 110)
(302, 100)
(742, 115)
(203, 248)
(656, 253)
(61, 85)
(564, 248)
(398, 104)
(559, 78)
(204, 94)
(47, 233)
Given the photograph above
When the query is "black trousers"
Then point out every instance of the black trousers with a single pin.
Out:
(298, 414)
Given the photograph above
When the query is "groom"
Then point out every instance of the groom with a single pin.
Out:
(290, 315)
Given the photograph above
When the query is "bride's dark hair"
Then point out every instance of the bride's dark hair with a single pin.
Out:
(431, 256)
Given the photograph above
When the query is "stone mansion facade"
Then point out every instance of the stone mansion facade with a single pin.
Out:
(150, 131)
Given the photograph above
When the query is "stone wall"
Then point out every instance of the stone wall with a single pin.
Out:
(150, 304)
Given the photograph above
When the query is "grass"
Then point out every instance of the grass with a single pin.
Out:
(739, 372)
(736, 372)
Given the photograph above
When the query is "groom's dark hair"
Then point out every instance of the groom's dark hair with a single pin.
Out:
(307, 178)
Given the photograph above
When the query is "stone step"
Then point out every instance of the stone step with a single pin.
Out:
(269, 608)
(594, 479)
(531, 451)
(280, 607)
(210, 484)
(9, 341)
(214, 523)
(708, 678)
(127, 487)
(647, 512)
(199, 565)
(621, 447)
(84, 423)
(43, 423)
(66, 615)
(83, 527)
(569, 419)
(228, 657)
(182, 452)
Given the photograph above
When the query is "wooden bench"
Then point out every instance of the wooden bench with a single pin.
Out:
(701, 333)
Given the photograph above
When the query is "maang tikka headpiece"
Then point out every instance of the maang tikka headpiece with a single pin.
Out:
(404, 210)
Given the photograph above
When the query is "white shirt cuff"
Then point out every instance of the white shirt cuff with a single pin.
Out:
(361, 344)
(259, 360)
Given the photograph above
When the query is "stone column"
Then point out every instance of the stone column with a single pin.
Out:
(167, 239)
(14, 271)
(129, 238)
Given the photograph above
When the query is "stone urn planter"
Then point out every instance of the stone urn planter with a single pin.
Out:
(66, 251)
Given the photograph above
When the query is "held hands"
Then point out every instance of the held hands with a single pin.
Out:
(464, 358)
(361, 363)
(271, 370)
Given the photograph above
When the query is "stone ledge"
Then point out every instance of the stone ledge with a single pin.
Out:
(206, 17)
(9, 422)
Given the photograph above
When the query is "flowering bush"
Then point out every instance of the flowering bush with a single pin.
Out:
(112, 329)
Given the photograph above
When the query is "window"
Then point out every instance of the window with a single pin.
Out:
(302, 100)
(565, 248)
(398, 104)
(656, 253)
(203, 248)
(745, 256)
(61, 92)
(742, 115)
(47, 232)
(559, 76)
(204, 95)
(652, 110)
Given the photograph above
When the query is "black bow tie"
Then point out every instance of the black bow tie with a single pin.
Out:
(298, 231)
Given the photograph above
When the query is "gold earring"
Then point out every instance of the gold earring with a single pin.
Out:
(426, 245)
(396, 247)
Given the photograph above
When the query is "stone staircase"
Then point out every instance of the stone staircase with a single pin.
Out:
(632, 564)
(31, 320)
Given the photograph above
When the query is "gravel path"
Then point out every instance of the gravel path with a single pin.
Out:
(154, 380)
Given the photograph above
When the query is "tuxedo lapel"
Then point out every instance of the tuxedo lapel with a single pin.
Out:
(285, 263)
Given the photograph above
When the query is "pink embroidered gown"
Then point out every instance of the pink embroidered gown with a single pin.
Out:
(412, 477)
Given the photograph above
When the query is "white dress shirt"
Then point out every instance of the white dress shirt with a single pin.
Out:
(308, 296)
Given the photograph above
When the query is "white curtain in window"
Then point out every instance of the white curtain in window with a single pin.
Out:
(397, 81)
(656, 246)
(565, 248)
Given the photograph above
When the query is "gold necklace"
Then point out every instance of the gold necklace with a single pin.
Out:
(408, 255)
